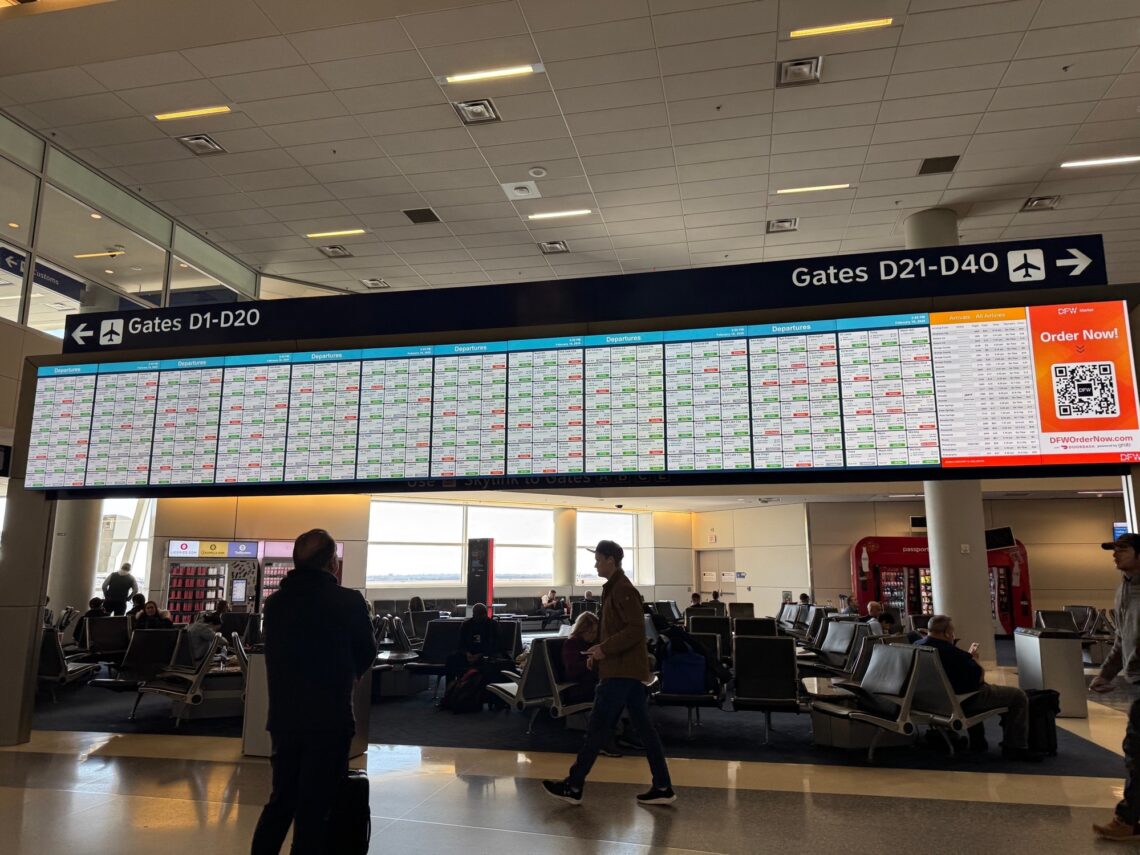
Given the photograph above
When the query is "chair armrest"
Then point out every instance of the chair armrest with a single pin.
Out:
(965, 696)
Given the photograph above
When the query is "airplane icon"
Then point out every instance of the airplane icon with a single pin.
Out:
(1026, 265)
(111, 331)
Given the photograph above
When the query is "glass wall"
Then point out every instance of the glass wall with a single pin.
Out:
(125, 534)
(412, 543)
(594, 526)
(189, 286)
(524, 541)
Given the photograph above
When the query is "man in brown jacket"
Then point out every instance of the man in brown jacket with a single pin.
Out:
(622, 662)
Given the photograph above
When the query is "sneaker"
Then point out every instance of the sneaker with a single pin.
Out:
(562, 791)
(1117, 830)
(657, 797)
(609, 751)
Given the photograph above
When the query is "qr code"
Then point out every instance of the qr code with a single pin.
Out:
(1085, 390)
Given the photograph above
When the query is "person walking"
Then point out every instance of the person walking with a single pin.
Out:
(318, 643)
(119, 587)
(1123, 666)
(621, 660)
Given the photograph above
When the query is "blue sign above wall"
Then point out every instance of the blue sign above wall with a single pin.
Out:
(1013, 266)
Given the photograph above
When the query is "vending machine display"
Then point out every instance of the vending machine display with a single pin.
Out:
(199, 574)
(896, 572)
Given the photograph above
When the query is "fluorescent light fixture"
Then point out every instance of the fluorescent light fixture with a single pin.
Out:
(1101, 161)
(850, 27)
(192, 114)
(340, 233)
(13, 225)
(109, 271)
(551, 215)
(493, 73)
(787, 190)
(1100, 492)
(904, 495)
(111, 253)
(96, 216)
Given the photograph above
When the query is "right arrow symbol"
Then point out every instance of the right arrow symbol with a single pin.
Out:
(81, 334)
(1078, 262)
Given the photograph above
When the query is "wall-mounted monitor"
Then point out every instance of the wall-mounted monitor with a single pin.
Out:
(1018, 387)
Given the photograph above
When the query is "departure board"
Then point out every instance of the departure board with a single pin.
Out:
(998, 387)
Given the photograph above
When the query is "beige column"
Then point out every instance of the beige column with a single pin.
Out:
(565, 548)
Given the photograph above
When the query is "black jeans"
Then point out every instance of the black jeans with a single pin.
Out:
(1129, 808)
(612, 696)
(308, 769)
(115, 607)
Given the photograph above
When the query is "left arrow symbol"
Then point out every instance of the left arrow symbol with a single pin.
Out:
(81, 334)
(1078, 262)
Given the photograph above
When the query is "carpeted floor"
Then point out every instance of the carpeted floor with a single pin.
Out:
(722, 736)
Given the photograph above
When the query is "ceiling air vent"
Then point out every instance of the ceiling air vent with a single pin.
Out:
(1041, 203)
(476, 112)
(516, 190)
(938, 165)
(335, 250)
(793, 72)
(421, 215)
(375, 284)
(791, 224)
(553, 247)
(201, 144)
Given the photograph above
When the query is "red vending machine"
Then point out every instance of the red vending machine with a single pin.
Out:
(201, 572)
(277, 560)
(896, 572)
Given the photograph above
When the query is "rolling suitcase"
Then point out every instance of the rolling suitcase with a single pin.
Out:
(1044, 704)
(350, 823)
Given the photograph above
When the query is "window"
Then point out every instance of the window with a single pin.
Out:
(593, 527)
(125, 535)
(413, 543)
(524, 541)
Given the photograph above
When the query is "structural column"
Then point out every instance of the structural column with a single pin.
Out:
(565, 548)
(955, 522)
(74, 548)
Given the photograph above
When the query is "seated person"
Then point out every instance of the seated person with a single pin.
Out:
(849, 603)
(553, 608)
(966, 675)
(94, 609)
(874, 613)
(589, 597)
(138, 601)
(221, 608)
(887, 622)
(805, 600)
(478, 642)
(201, 634)
(575, 666)
(695, 600)
(151, 617)
(49, 615)
(416, 604)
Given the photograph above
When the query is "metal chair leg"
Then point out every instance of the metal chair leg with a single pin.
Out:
(690, 731)
(533, 718)
(134, 709)
(698, 709)
(871, 747)
(767, 728)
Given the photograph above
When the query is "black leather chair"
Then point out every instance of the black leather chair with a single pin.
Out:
(698, 611)
(150, 651)
(180, 683)
(579, 606)
(561, 706)
(530, 690)
(721, 626)
(741, 610)
(417, 623)
(441, 639)
(54, 669)
(764, 626)
(767, 679)
(508, 638)
(107, 639)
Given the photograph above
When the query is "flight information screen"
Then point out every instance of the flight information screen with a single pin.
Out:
(995, 387)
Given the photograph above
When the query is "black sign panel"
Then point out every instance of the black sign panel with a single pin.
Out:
(920, 273)
(5, 460)
(480, 572)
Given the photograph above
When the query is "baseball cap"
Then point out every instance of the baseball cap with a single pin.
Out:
(1128, 539)
(609, 549)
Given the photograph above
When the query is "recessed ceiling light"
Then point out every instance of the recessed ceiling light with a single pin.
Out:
(110, 253)
(192, 114)
(494, 73)
(812, 189)
(13, 225)
(339, 233)
(109, 271)
(537, 172)
(850, 27)
(550, 215)
(1101, 161)
(183, 265)
(96, 216)
(521, 190)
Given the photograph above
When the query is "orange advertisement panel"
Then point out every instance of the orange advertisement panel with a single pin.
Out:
(1085, 382)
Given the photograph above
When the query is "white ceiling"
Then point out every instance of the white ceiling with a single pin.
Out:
(660, 115)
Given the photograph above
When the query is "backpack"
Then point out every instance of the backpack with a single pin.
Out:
(1044, 705)
(684, 671)
(465, 695)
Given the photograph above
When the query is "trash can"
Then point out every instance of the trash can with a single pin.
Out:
(1051, 659)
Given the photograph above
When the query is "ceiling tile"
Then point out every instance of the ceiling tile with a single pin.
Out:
(272, 83)
(392, 96)
(1100, 63)
(86, 108)
(309, 211)
(595, 40)
(978, 50)
(649, 166)
(536, 105)
(444, 179)
(926, 129)
(538, 152)
(462, 25)
(290, 196)
(723, 169)
(272, 179)
(620, 119)
(410, 119)
(317, 130)
(555, 169)
(478, 55)
(1034, 117)
(1128, 129)
(739, 50)
(715, 23)
(425, 141)
(155, 69)
(944, 147)
(611, 95)
(754, 184)
(822, 118)
(113, 131)
(464, 196)
(640, 196)
(814, 140)
(354, 170)
(49, 85)
(1061, 92)
(726, 81)
(920, 84)
(723, 129)
(619, 141)
(342, 152)
(174, 96)
(555, 14)
(611, 68)
(393, 193)
(1005, 17)
(319, 105)
(242, 56)
(954, 104)
(354, 40)
(519, 130)
(824, 159)
(151, 151)
(1101, 35)
(372, 70)
(440, 161)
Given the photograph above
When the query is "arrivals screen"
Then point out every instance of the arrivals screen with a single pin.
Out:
(995, 387)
